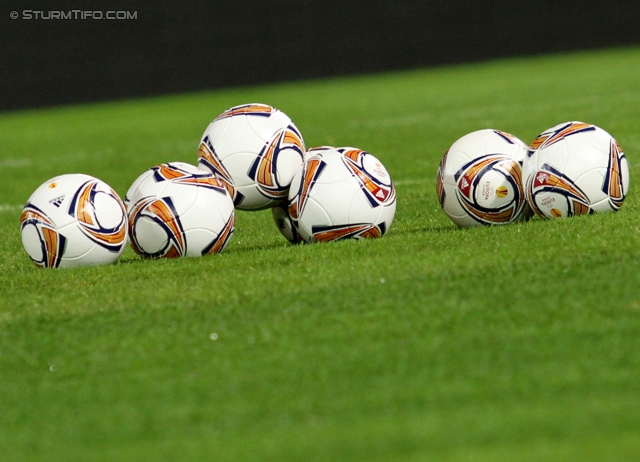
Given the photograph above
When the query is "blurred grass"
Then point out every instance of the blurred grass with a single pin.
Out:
(436, 343)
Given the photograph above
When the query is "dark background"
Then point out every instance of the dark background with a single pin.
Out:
(187, 46)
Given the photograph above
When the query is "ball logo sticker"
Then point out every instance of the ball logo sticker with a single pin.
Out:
(541, 178)
(464, 186)
(52, 243)
(57, 201)
(501, 192)
(163, 213)
(468, 180)
(83, 208)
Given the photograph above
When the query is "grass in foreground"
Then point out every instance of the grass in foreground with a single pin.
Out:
(433, 343)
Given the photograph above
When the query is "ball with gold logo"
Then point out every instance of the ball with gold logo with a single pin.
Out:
(479, 180)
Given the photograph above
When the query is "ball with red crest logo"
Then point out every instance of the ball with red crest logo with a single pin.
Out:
(255, 149)
(176, 210)
(341, 193)
(73, 220)
(575, 168)
(479, 180)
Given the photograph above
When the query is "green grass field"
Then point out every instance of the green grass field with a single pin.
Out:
(517, 343)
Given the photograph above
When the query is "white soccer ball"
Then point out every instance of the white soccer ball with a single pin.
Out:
(176, 209)
(285, 224)
(255, 150)
(341, 193)
(479, 180)
(575, 168)
(73, 220)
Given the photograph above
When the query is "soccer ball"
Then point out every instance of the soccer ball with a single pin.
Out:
(177, 210)
(341, 193)
(285, 224)
(73, 220)
(255, 150)
(575, 168)
(479, 180)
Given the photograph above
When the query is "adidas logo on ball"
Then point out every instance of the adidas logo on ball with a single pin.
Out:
(57, 201)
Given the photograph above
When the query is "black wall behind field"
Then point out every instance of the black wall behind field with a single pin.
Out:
(185, 46)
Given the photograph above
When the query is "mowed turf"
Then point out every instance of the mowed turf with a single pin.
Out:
(433, 343)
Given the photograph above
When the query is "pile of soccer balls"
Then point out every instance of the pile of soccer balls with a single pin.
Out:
(489, 177)
(251, 157)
